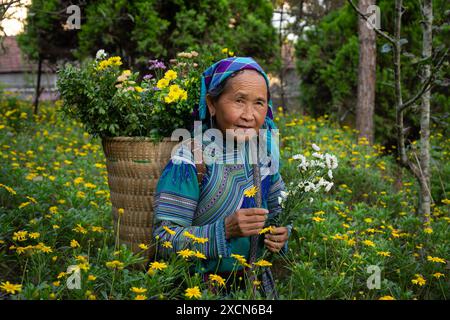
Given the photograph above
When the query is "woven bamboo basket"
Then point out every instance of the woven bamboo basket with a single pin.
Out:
(134, 165)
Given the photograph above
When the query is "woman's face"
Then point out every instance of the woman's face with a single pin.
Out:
(242, 105)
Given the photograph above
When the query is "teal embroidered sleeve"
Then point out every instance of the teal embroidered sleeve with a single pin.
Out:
(176, 198)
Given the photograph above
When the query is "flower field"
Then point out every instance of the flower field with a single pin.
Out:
(55, 213)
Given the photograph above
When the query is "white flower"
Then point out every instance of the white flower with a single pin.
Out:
(331, 161)
(315, 147)
(317, 155)
(311, 200)
(329, 186)
(101, 54)
(330, 174)
(298, 156)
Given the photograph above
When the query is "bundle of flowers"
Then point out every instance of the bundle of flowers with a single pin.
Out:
(110, 101)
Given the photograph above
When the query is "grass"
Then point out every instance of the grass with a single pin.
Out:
(55, 212)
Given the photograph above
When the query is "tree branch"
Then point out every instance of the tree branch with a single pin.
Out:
(426, 86)
(378, 31)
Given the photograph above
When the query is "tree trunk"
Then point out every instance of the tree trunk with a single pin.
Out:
(427, 37)
(282, 67)
(38, 86)
(366, 76)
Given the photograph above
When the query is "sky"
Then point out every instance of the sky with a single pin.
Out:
(15, 25)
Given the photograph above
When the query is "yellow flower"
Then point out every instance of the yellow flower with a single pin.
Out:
(250, 193)
(170, 75)
(435, 259)
(121, 211)
(437, 275)
(199, 255)
(90, 185)
(200, 240)
(79, 229)
(387, 298)
(9, 189)
(61, 274)
(428, 230)
(218, 279)
(74, 243)
(143, 246)
(318, 219)
(34, 235)
(97, 229)
(262, 263)
(167, 244)
(56, 283)
(162, 83)
(384, 253)
(24, 204)
(193, 293)
(91, 277)
(419, 280)
(78, 180)
(138, 290)
(186, 253)
(171, 232)
(369, 243)
(10, 288)
(20, 235)
(102, 65)
(46, 249)
(268, 229)
(189, 235)
(53, 209)
(158, 265)
(141, 297)
(115, 264)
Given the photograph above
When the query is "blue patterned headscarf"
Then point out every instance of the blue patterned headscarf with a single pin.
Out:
(219, 72)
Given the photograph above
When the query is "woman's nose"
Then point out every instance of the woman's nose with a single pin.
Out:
(247, 113)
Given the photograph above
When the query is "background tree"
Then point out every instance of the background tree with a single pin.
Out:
(420, 166)
(327, 61)
(141, 29)
(46, 38)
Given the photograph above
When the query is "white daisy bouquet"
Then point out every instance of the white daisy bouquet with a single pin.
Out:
(315, 177)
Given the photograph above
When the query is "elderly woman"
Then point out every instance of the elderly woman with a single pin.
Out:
(218, 217)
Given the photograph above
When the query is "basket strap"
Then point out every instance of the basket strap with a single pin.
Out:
(201, 168)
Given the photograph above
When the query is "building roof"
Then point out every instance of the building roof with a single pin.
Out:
(12, 61)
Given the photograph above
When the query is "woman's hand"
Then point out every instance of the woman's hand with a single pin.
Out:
(276, 239)
(245, 222)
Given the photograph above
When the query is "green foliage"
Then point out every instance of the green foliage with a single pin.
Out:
(162, 28)
(44, 35)
(53, 181)
(110, 102)
(327, 55)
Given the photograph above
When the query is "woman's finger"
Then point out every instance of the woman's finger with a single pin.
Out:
(269, 246)
(275, 246)
(279, 230)
(276, 238)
